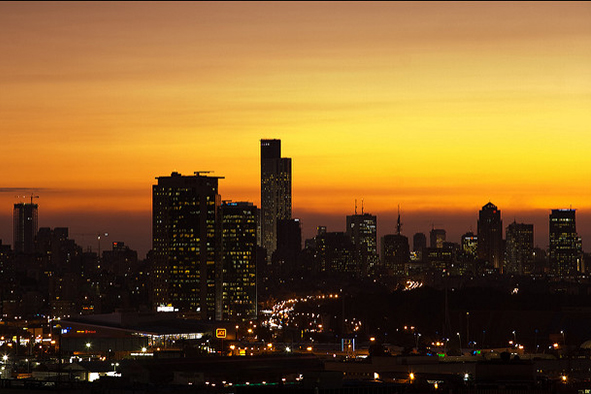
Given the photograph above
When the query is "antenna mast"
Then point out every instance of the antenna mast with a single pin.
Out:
(398, 224)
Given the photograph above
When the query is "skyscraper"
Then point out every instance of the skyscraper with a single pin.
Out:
(362, 229)
(186, 244)
(24, 227)
(519, 248)
(490, 236)
(275, 192)
(565, 252)
(239, 245)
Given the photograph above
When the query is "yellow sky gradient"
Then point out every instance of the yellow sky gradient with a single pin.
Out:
(433, 106)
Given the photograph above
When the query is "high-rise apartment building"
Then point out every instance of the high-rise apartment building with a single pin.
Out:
(24, 228)
(519, 248)
(565, 252)
(275, 192)
(239, 245)
(490, 236)
(362, 229)
(186, 244)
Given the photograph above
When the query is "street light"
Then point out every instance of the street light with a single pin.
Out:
(460, 338)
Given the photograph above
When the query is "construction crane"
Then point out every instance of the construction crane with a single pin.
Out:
(32, 196)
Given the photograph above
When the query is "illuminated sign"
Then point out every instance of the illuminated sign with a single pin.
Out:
(220, 333)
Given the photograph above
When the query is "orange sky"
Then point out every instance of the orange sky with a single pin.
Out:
(433, 106)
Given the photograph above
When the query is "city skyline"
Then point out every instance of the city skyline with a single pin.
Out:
(440, 108)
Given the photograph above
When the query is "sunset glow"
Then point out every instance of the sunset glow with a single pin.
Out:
(436, 107)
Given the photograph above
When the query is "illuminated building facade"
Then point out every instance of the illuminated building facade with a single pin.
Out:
(362, 229)
(565, 252)
(275, 192)
(519, 249)
(24, 228)
(490, 236)
(437, 238)
(186, 244)
(239, 245)
(470, 245)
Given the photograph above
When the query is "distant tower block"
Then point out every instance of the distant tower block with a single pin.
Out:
(24, 227)
(275, 192)
(490, 236)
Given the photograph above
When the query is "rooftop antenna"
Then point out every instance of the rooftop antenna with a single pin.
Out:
(362, 206)
(398, 224)
(355, 206)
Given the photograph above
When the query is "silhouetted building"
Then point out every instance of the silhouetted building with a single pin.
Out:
(395, 253)
(335, 253)
(239, 245)
(275, 192)
(437, 238)
(120, 260)
(289, 246)
(519, 249)
(490, 236)
(565, 251)
(362, 229)
(186, 244)
(5, 262)
(419, 245)
(24, 228)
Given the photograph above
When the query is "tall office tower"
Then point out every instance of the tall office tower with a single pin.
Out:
(186, 244)
(565, 252)
(490, 236)
(239, 245)
(519, 248)
(436, 238)
(24, 228)
(275, 192)
(362, 229)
